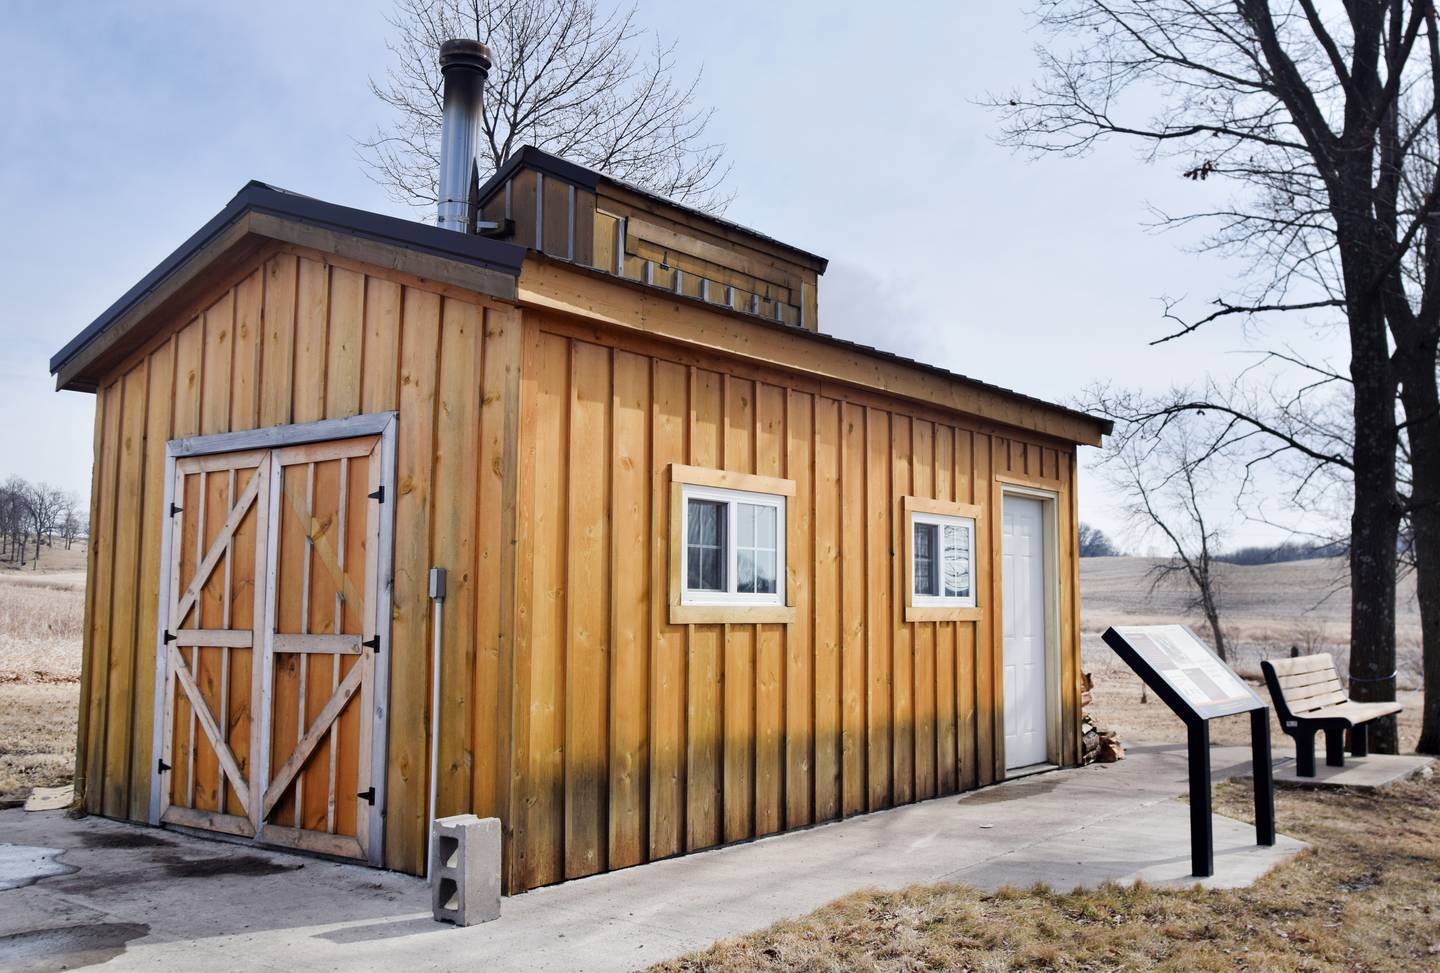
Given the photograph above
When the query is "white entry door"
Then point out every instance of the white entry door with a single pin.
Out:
(1026, 691)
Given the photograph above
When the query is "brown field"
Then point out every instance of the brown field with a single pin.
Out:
(1265, 609)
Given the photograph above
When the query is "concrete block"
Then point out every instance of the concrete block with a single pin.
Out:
(465, 870)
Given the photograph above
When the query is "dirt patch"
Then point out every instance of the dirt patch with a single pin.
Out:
(67, 947)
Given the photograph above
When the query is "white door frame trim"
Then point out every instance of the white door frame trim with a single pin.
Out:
(382, 424)
(1050, 504)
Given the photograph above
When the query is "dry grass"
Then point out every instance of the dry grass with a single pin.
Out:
(1367, 898)
(41, 616)
(37, 736)
(40, 627)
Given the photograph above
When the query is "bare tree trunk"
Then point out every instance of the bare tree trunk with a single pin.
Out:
(1421, 399)
(1212, 616)
(1374, 522)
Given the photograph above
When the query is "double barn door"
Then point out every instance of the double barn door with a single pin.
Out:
(269, 653)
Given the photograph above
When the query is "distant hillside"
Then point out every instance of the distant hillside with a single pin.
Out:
(1278, 596)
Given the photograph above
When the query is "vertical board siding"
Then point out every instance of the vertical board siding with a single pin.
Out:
(301, 337)
(637, 739)
(533, 463)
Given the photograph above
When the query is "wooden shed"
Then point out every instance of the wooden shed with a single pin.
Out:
(712, 573)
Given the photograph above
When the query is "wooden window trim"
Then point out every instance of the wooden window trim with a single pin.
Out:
(681, 614)
(931, 613)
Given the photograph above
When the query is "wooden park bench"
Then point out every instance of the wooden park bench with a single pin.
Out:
(1309, 698)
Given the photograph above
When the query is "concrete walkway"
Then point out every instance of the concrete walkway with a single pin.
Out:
(146, 899)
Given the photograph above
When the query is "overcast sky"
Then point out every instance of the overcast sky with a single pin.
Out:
(852, 129)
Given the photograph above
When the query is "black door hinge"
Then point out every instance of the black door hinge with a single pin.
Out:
(175, 509)
(170, 637)
(379, 494)
(161, 766)
(367, 796)
(372, 643)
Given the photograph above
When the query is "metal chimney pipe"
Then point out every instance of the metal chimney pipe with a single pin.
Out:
(464, 65)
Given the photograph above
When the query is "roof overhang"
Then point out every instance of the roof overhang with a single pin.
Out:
(261, 216)
(594, 295)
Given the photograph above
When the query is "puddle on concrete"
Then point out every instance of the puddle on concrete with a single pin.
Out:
(241, 865)
(67, 947)
(22, 865)
(129, 838)
(162, 866)
(1012, 792)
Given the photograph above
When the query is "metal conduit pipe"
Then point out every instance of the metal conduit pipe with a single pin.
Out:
(437, 597)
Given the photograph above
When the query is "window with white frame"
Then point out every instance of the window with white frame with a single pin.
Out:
(734, 547)
(942, 560)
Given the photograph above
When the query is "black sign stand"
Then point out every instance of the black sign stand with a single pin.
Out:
(1197, 721)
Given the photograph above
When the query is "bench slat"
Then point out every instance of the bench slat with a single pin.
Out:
(1304, 663)
(1303, 679)
(1309, 692)
(1306, 707)
(1355, 712)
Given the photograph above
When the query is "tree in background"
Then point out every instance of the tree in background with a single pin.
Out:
(1323, 117)
(1095, 543)
(33, 510)
(74, 523)
(580, 83)
(1165, 482)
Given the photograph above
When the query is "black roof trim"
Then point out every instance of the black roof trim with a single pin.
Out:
(260, 197)
(530, 157)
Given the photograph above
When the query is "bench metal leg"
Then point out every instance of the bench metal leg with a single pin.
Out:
(1360, 740)
(1304, 753)
(1335, 748)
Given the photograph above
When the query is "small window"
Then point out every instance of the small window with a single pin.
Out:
(942, 559)
(734, 547)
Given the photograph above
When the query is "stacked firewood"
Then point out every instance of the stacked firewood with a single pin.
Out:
(1097, 746)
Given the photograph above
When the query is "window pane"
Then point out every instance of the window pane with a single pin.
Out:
(765, 536)
(705, 547)
(707, 521)
(745, 568)
(765, 573)
(712, 568)
(924, 569)
(746, 525)
(957, 561)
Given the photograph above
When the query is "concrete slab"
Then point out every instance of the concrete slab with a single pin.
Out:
(145, 898)
(1363, 773)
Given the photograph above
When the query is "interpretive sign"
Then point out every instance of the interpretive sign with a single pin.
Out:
(1206, 684)
(1198, 686)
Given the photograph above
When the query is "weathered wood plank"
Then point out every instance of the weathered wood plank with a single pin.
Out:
(629, 571)
(704, 696)
(669, 424)
(408, 764)
(800, 650)
(829, 724)
(585, 564)
(879, 701)
(770, 455)
(452, 542)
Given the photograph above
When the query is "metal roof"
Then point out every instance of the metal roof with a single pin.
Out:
(552, 165)
(258, 197)
(494, 255)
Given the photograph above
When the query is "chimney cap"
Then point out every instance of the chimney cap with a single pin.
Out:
(462, 52)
